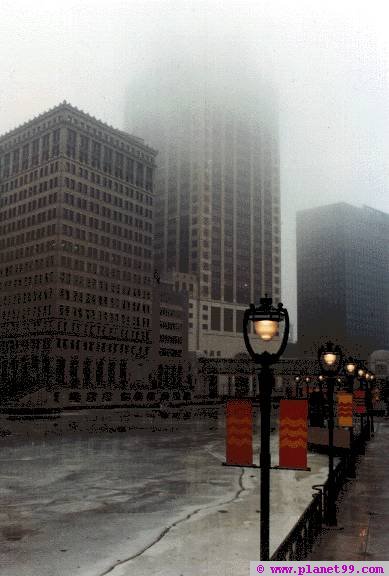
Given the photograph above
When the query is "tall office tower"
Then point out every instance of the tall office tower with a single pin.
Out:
(343, 277)
(217, 211)
(76, 255)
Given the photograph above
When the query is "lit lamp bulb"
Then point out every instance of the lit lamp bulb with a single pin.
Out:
(360, 372)
(329, 358)
(266, 329)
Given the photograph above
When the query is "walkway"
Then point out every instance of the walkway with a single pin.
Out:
(363, 513)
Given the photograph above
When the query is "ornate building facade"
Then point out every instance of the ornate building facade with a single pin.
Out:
(76, 255)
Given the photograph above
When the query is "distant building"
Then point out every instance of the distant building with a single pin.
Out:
(343, 277)
(379, 364)
(76, 256)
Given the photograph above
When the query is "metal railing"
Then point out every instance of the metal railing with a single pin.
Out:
(300, 540)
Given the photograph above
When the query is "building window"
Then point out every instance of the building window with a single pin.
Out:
(215, 318)
(239, 320)
(71, 143)
(228, 320)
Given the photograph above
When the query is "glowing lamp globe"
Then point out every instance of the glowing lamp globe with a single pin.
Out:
(266, 321)
(329, 358)
(266, 329)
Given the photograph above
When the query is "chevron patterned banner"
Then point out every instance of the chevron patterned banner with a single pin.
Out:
(359, 402)
(293, 434)
(239, 429)
(345, 409)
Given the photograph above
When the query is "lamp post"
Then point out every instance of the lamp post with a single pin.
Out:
(330, 360)
(361, 372)
(307, 382)
(299, 386)
(350, 370)
(298, 390)
(369, 400)
(265, 319)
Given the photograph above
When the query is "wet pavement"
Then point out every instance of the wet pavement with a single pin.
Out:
(138, 503)
(363, 512)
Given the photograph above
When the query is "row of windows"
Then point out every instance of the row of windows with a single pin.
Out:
(72, 279)
(94, 238)
(36, 264)
(115, 273)
(170, 325)
(31, 154)
(97, 208)
(107, 212)
(26, 251)
(34, 234)
(88, 298)
(25, 313)
(170, 339)
(107, 183)
(87, 282)
(99, 224)
(113, 257)
(105, 241)
(32, 204)
(32, 220)
(25, 297)
(109, 317)
(32, 176)
(98, 346)
(86, 150)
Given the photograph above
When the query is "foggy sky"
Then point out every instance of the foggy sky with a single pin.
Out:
(329, 62)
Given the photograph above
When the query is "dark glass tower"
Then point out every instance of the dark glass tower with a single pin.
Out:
(343, 277)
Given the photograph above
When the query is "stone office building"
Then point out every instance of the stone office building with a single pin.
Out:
(76, 256)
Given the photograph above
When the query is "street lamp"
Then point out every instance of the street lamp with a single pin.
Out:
(307, 382)
(363, 378)
(369, 400)
(266, 320)
(297, 380)
(350, 370)
(299, 389)
(330, 360)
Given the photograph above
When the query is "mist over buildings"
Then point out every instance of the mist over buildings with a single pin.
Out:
(323, 74)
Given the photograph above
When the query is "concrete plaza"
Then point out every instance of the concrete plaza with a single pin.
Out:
(147, 501)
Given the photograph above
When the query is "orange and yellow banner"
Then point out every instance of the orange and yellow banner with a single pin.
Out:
(359, 402)
(293, 434)
(239, 431)
(345, 409)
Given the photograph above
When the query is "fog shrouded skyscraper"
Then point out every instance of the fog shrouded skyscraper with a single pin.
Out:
(217, 214)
